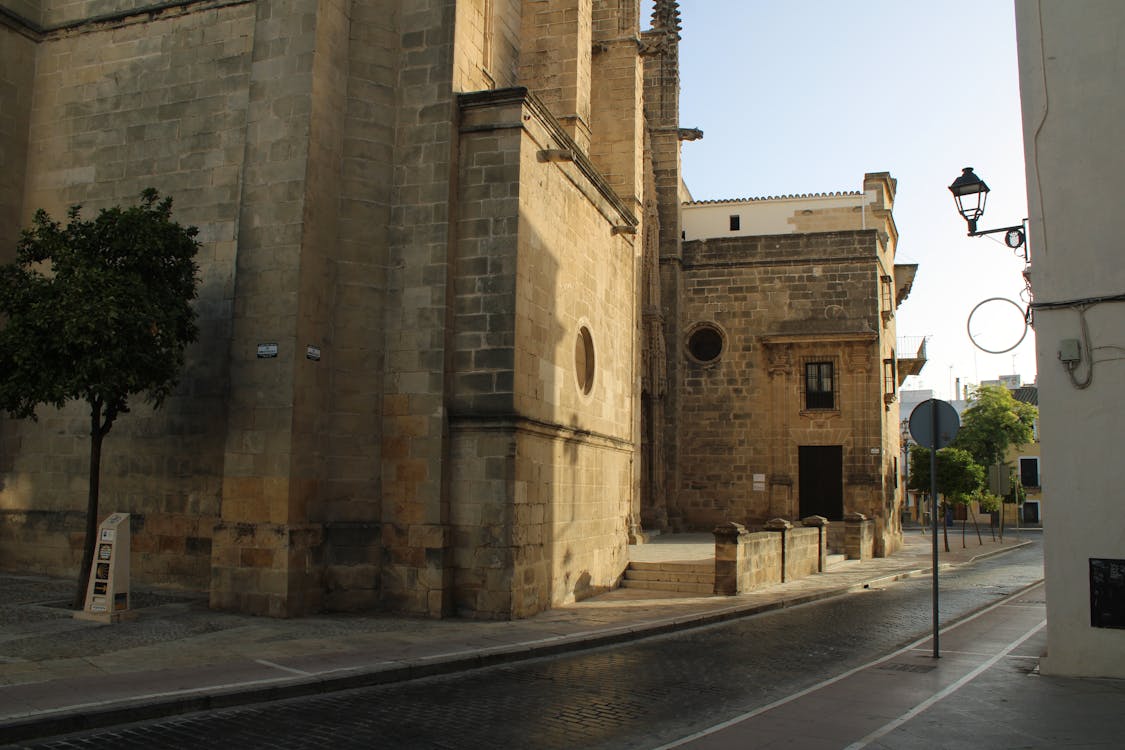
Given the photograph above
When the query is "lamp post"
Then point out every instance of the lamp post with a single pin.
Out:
(971, 193)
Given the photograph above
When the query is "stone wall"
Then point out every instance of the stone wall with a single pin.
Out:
(120, 107)
(542, 444)
(16, 77)
(747, 560)
(803, 551)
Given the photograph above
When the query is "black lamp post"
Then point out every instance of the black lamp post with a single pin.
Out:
(970, 193)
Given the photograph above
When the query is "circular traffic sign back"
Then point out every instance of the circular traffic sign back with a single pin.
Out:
(922, 421)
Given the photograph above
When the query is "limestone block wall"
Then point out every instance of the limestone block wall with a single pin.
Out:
(543, 430)
(417, 558)
(486, 54)
(746, 560)
(617, 101)
(16, 78)
(349, 491)
(556, 42)
(743, 413)
(802, 552)
(760, 560)
(575, 311)
(117, 108)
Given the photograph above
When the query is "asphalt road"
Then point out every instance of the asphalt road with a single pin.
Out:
(637, 695)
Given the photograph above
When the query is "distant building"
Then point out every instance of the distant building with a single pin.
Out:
(788, 377)
(1011, 382)
(1027, 463)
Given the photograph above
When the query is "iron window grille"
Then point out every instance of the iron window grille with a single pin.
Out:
(820, 385)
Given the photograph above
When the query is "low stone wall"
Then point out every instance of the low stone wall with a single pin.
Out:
(802, 552)
(747, 560)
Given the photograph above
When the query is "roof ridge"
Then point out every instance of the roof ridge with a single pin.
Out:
(793, 196)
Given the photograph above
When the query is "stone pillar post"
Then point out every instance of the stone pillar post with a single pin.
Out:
(858, 536)
(780, 524)
(728, 557)
(822, 525)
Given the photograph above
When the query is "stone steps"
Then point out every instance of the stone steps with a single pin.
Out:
(834, 560)
(679, 577)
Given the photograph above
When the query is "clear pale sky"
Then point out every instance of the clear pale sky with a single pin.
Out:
(805, 96)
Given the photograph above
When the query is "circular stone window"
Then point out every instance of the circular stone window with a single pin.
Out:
(584, 360)
(705, 343)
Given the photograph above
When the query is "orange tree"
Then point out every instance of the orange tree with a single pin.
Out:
(958, 475)
(97, 310)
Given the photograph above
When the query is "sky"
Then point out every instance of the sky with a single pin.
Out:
(805, 96)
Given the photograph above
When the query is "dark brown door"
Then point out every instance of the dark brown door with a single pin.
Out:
(822, 481)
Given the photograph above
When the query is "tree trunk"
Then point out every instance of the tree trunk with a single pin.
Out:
(97, 433)
(944, 526)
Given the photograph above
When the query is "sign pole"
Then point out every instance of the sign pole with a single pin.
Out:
(934, 513)
(934, 424)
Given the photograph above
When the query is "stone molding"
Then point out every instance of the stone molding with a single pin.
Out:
(143, 14)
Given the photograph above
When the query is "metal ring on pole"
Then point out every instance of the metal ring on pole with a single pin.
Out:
(969, 322)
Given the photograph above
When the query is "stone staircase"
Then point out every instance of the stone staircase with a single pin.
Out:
(690, 577)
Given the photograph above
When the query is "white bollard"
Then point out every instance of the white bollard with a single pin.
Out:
(107, 595)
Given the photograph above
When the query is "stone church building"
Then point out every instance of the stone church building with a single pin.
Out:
(461, 342)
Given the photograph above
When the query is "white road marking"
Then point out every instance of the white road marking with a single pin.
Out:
(893, 725)
(833, 680)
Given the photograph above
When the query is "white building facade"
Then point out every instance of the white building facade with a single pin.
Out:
(1070, 58)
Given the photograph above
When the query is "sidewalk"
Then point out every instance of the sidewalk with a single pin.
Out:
(61, 675)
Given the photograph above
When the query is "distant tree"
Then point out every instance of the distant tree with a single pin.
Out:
(994, 421)
(958, 475)
(97, 310)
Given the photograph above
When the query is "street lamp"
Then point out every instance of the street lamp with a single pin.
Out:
(970, 193)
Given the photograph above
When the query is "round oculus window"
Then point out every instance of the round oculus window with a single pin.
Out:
(705, 343)
(584, 360)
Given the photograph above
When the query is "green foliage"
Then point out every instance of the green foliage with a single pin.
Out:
(1017, 494)
(958, 475)
(993, 422)
(987, 501)
(97, 309)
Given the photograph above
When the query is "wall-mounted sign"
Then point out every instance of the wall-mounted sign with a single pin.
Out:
(267, 351)
(1107, 593)
(312, 352)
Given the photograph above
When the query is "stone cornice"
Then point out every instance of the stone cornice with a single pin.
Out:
(143, 14)
(773, 339)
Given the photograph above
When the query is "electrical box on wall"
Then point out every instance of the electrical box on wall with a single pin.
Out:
(1069, 351)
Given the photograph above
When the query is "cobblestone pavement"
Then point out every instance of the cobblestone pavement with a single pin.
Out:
(636, 695)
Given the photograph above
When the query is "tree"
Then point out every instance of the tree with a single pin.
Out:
(958, 475)
(97, 310)
(993, 422)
